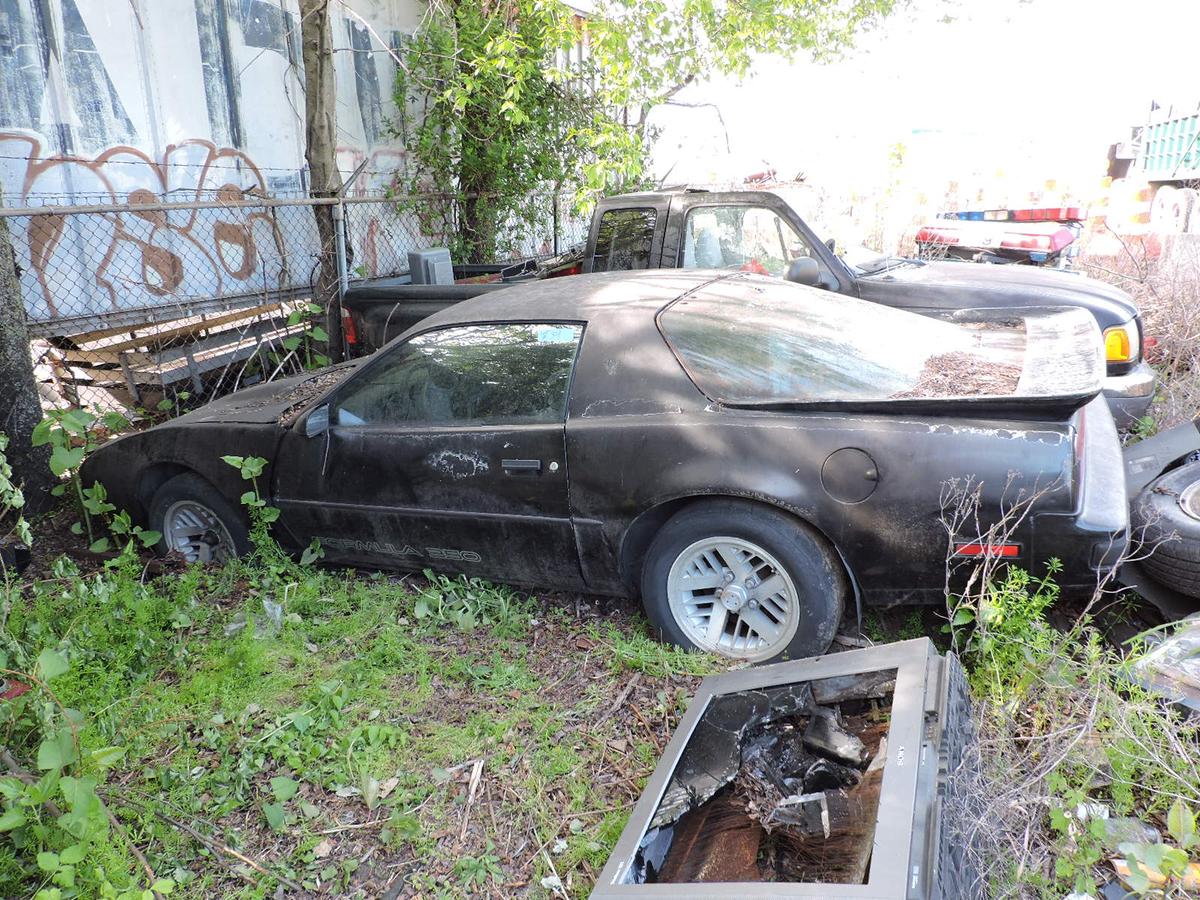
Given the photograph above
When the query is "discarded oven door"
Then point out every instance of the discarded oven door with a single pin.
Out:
(824, 777)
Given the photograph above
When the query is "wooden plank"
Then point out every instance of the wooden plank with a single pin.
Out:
(190, 327)
(174, 370)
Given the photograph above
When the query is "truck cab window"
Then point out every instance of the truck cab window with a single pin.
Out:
(751, 238)
(624, 240)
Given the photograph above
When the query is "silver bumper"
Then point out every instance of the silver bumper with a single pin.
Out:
(1129, 395)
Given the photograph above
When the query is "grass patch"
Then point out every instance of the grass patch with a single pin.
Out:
(272, 725)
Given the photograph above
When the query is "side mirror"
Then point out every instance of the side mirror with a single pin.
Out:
(317, 422)
(831, 244)
(804, 270)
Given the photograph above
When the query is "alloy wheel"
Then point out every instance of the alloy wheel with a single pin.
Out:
(730, 596)
(194, 531)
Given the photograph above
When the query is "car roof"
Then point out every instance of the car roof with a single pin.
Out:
(578, 298)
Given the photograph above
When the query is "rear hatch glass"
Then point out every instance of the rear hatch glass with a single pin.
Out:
(749, 340)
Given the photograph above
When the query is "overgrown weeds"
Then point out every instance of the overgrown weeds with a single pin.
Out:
(1163, 277)
(1076, 765)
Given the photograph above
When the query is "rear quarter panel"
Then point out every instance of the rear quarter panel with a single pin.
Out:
(894, 541)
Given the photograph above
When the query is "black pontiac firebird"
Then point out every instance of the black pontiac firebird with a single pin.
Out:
(747, 454)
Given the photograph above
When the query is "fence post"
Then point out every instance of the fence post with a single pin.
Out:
(339, 223)
(20, 407)
(554, 208)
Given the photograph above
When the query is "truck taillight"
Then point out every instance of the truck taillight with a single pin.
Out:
(1052, 241)
(349, 330)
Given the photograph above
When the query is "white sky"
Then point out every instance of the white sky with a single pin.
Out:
(1033, 90)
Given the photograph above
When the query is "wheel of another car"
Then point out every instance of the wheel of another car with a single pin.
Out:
(1165, 519)
(743, 580)
(197, 522)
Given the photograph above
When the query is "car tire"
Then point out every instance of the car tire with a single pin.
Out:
(1165, 520)
(776, 585)
(196, 521)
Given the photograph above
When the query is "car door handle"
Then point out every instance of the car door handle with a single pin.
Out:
(518, 466)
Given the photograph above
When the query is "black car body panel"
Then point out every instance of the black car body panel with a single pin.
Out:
(639, 441)
(386, 307)
(935, 287)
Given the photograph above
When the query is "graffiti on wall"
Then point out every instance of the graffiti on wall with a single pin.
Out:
(89, 115)
(375, 228)
(137, 257)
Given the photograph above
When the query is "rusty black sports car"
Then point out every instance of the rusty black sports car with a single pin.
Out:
(748, 454)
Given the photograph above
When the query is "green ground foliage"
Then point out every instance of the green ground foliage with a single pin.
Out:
(274, 725)
(221, 732)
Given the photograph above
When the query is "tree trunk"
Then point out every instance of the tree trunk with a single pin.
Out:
(320, 151)
(476, 186)
(20, 408)
(478, 225)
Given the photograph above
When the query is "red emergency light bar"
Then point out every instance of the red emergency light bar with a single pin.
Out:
(1049, 214)
(1039, 214)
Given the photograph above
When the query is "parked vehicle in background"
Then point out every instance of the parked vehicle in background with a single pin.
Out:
(1042, 236)
(746, 454)
(1155, 174)
(1161, 161)
(757, 231)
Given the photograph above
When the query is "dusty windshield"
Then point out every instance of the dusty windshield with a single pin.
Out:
(754, 341)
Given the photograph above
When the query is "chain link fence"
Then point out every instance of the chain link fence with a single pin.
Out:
(117, 266)
(145, 301)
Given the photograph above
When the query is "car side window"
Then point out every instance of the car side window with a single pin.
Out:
(505, 373)
(751, 238)
(624, 240)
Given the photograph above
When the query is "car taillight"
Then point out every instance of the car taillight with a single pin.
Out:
(1121, 343)
(1003, 551)
(937, 235)
(570, 270)
(349, 330)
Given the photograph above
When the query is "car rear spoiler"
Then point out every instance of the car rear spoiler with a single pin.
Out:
(1064, 351)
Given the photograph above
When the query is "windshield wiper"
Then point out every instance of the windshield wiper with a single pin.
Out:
(892, 262)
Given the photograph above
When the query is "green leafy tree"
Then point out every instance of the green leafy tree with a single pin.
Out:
(504, 100)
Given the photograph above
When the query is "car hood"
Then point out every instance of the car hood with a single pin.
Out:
(958, 285)
(276, 401)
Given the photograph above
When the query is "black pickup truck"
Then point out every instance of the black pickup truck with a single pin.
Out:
(759, 232)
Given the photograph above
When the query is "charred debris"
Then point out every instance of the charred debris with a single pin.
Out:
(804, 776)
(776, 786)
